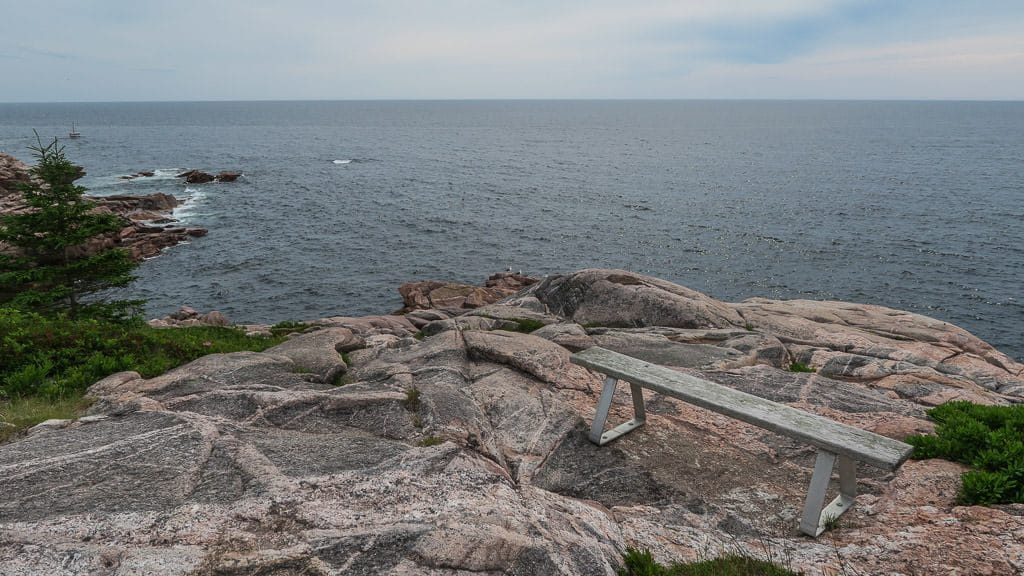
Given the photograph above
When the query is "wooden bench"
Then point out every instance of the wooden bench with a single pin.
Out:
(834, 441)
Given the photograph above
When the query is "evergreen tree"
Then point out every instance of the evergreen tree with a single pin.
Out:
(49, 270)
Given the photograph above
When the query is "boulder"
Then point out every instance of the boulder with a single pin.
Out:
(420, 318)
(452, 298)
(187, 316)
(317, 353)
(568, 335)
(619, 298)
(447, 297)
(509, 282)
(196, 177)
(227, 176)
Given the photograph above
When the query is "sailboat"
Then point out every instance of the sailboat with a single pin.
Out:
(74, 133)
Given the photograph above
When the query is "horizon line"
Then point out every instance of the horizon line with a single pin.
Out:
(574, 99)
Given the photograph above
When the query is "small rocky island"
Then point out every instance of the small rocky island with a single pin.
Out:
(451, 438)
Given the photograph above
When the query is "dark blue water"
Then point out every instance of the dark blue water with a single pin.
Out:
(914, 205)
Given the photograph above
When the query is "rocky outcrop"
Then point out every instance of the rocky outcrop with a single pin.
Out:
(453, 298)
(620, 298)
(13, 172)
(188, 316)
(200, 177)
(196, 177)
(465, 451)
(148, 227)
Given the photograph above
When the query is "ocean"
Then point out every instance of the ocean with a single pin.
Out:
(914, 205)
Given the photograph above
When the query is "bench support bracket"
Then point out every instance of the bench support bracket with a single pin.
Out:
(818, 517)
(597, 434)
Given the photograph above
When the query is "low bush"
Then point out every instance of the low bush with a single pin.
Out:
(642, 563)
(990, 439)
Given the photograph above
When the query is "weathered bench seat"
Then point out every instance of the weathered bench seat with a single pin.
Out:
(835, 441)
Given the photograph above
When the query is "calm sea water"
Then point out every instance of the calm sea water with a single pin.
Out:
(914, 205)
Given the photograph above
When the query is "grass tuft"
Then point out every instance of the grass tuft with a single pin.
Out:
(412, 399)
(20, 414)
(430, 441)
(288, 327)
(800, 367)
(641, 563)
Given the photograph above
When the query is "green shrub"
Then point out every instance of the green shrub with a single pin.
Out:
(990, 439)
(800, 367)
(642, 563)
(527, 325)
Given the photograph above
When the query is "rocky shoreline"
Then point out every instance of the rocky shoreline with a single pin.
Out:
(450, 438)
(148, 224)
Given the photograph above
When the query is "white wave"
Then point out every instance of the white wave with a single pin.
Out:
(166, 173)
(187, 209)
(342, 161)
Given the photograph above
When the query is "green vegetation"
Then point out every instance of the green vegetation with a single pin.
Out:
(58, 334)
(21, 413)
(412, 399)
(58, 356)
(831, 522)
(642, 563)
(528, 325)
(990, 439)
(52, 360)
(288, 327)
(430, 441)
(800, 367)
(50, 271)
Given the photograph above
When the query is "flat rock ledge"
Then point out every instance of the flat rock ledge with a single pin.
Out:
(464, 451)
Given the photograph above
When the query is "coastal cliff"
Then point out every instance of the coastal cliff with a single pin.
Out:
(450, 438)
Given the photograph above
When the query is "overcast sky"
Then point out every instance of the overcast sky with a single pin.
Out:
(116, 50)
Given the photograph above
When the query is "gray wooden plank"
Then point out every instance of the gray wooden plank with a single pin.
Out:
(819, 431)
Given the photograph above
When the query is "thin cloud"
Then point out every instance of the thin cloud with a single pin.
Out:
(321, 49)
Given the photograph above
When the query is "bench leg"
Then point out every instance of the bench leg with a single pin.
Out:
(816, 515)
(597, 434)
